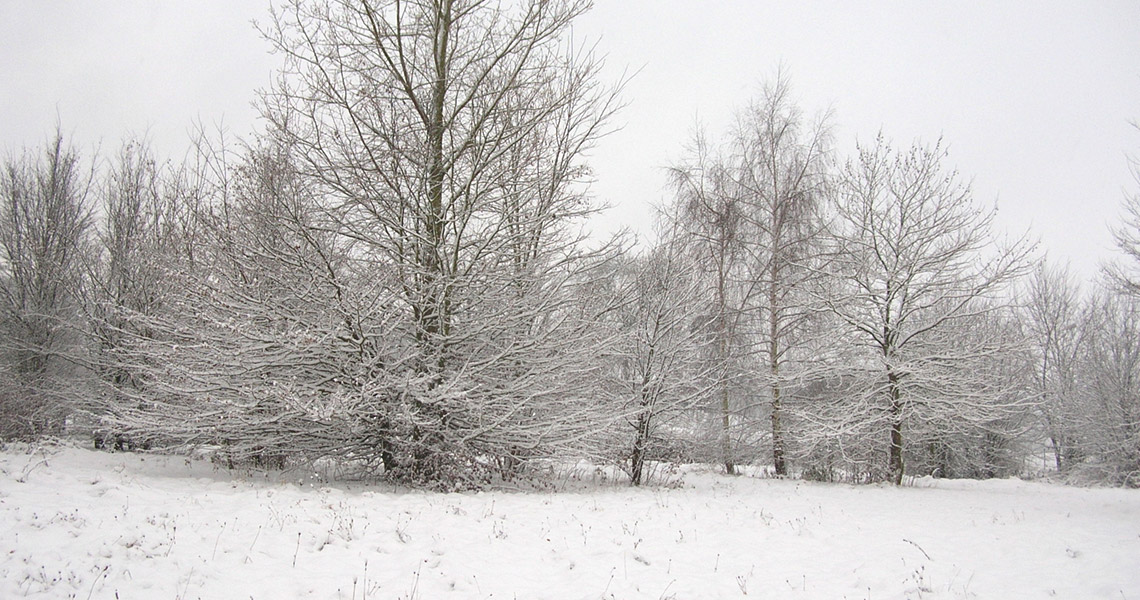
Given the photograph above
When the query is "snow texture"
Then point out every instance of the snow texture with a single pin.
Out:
(76, 523)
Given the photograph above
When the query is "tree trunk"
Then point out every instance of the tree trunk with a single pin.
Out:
(432, 306)
(722, 333)
(774, 370)
(895, 460)
(726, 430)
(1058, 453)
(777, 434)
(895, 466)
(637, 457)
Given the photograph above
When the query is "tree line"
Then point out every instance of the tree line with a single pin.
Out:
(395, 274)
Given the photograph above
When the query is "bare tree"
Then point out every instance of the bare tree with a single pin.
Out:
(45, 222)
(1053, 311)
(1127, 237)
(1110, 417)
(779, 166)
(1109, 410)
(712, 216)
(660, 364)
(753, 207)
(127, 279)
(445, 139)
(976, 401)
(918, 261)
(263, 336)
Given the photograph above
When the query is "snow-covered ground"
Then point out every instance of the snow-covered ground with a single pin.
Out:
(82, 524)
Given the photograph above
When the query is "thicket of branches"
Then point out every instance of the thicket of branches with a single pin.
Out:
(393, 276)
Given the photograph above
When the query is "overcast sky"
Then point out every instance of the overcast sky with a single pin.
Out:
(1034, 99)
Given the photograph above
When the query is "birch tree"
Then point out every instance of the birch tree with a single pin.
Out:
(779, 166)
(918, 260)
(752, 204)
(712, 217)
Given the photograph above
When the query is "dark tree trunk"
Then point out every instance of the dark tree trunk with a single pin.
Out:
(722, 333)
(778, 460)
(895, 466)
(637, 456)
(895, 460)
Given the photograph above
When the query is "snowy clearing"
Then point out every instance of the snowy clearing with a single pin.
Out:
(83, 524)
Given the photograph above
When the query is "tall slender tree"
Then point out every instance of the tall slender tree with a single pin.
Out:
(779, 166)
(712, 217)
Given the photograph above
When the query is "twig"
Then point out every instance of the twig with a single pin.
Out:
(415, 583)
(919, 548)
(255, 539)
(186, 587)
(612, 570)
(28, 468)
(101, 575)
(297, 549)
(218, 539)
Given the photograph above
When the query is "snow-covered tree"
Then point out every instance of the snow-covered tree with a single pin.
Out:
(1109, 419)
(1053, 319)
(261, 336)
(445, 140)
(779, 166)
(45, 226)
(752, 205)
(917, 263)
(1126, 275)
(660, 363)
(127, 275)
(711, 215)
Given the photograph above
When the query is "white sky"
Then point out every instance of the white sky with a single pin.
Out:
(1034, 99)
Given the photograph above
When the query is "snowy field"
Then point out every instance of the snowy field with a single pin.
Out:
(81, 524)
